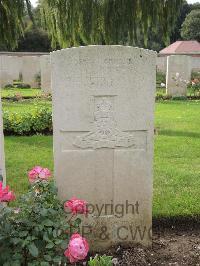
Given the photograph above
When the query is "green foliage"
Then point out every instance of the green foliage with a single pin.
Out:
(160, 78)
(37, 230)
(185, 9)
(38, 79)
(101, 261)
(74, 22)
(34, 40)
(191, 25)
(194, 85)
(11, 21)
(38, 121)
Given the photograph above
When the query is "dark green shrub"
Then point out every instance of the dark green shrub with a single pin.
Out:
(179, 98)
(39, 121)
(22, 86)
(8, 86)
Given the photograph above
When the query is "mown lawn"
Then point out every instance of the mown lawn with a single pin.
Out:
(28, 92)
(25, 105)
(176, 160)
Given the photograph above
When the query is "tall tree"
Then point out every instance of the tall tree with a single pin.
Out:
(74, 22)
(191, 26)
(185, 9)
(11, 21)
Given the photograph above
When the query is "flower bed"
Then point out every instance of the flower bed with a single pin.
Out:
(41, 230)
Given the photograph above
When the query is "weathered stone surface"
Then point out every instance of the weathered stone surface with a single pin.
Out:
(195, 63)
(30, 69)
(45, 67)
(14, 66)
(103, 103)
(2, 159)
(178, 74)
(161, 64)
(5, 77)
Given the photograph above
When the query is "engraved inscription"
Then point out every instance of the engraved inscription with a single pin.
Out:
(105, 133)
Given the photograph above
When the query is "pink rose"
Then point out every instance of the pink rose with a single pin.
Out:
(77, 249)
(38, 173)
(45, 173)
(76, 206)
(5, 194)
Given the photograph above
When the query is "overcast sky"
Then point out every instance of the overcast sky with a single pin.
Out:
(34, 2)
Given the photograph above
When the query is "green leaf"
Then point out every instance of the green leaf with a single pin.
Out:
(44, 263)
(57, 259)
(33, 250)
(50, 245)
(47, 257)
(48, 222)
(77, 222)
(45, 237)
(23, 233)
(16, 240)
(64, 244)
(58, 241)
(44, 212)
(54, 233)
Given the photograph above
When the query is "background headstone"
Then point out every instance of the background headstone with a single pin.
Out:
(30, 69)
(2, 159)
(45, 67)
(14, 66)
(103, 104)
(5, 75)
(178, 74)
(161, 63)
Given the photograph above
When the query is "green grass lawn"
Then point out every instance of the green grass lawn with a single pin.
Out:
(25, 105)
(176, 160)
(28, 92)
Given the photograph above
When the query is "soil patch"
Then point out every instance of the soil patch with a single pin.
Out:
(176, 242)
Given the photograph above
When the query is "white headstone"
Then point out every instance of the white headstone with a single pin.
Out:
(30, 70)
(45, 67)
(14, 66)
(103, 104)
(161, 63)
(195, 63)
(178, 74)
(2, 159)
(5, 75)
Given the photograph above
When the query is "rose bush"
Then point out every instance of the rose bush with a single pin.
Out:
(36, 229)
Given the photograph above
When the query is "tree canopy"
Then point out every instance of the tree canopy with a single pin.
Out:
(75, 22)
(191, 26)
(11, 21)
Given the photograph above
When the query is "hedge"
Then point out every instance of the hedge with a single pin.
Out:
(38, 121)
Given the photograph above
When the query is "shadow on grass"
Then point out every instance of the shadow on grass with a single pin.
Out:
(174, 133)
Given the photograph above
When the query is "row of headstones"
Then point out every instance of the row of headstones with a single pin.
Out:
(178, 69)
(103, 111)
(27, 68)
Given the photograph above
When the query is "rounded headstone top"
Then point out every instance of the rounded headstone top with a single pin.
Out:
(107, 47)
